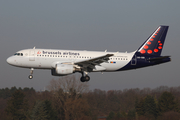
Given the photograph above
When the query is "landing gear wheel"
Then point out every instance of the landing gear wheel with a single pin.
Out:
(30, 76)
(85, 78)
(82, 79)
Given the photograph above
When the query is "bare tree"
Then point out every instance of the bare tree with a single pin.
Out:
(68, 97)
(68, 83)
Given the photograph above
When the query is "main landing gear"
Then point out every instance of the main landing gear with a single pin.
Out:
(85, 77)
(31, 76)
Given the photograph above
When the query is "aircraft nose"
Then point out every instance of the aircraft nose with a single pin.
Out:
(9, 60)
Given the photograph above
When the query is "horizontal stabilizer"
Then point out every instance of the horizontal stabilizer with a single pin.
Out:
(158, 58)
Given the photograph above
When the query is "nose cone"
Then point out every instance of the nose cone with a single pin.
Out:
(10, 60)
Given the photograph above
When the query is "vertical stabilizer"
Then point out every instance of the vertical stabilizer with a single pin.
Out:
(154, 44)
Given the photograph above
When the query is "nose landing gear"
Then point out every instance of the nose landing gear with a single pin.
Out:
(31, 76)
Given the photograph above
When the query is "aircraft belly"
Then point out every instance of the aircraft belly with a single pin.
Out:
(45, 63)
(21, 62)
(37, 63)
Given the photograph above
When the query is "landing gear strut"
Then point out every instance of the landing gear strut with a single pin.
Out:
(31, 76)
(85, 77)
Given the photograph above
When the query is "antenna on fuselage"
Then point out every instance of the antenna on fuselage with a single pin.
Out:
(34, 47)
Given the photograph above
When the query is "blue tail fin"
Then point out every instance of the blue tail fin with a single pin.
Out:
(154, 44)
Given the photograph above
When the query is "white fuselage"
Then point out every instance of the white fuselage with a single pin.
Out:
(48, 58)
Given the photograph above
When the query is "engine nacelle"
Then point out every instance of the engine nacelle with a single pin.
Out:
(64, 69)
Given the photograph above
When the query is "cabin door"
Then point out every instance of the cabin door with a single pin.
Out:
(32, 55)
(134, 60)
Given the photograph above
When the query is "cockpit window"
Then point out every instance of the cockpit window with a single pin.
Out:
(18, 54)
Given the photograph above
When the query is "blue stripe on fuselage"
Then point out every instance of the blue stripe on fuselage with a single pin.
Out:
(142, 61)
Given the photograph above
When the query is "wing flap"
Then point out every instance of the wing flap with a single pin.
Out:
(91, 63)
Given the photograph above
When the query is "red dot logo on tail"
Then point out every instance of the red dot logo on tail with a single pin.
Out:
(159, 47)
(156, 50)
(148, 43)
(142, 51)
(149, 51)
(146, 47)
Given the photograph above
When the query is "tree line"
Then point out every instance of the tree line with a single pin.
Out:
(69, 99)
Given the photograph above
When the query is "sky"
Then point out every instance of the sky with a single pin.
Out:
(94, 25)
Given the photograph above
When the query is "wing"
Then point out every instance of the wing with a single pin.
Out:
(90, 64)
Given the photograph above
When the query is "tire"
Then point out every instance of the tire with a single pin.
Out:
(87, 78)
(82, 79)
(30, 76)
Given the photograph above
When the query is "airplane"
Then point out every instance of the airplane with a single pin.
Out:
(65, 62)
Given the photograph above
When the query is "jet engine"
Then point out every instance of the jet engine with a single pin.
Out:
(63, 69)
